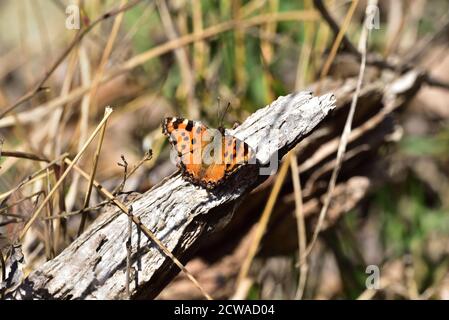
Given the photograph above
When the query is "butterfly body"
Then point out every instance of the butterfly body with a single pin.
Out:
(206, 157)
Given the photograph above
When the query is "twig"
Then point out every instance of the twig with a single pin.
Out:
(83, 122)
(302, 240)
(425, 43)
(92, 175)
(120, 187)
(126, 40)
(3, 211)
(76, 212)
(64, 175)
(381, 63)
(105, 56)
(128, 253)
(10, 221)
(48, 225)
(35, 176)
(319, 5)
(263, 222)
(148, 156)
(431, 81)
(340, 36)
(23, 155)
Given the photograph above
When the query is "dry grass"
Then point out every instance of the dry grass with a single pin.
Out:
(152, 60)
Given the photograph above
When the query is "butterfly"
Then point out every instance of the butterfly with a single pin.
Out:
(206, 157)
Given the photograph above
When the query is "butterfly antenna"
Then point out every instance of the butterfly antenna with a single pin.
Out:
(224, 114)
(218, 109)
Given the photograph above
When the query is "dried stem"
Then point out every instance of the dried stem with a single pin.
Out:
(263, 222)
(35, 176)
(363, 43)
(148, 156)
(92, 176)
(302, 240)
(64, 175)
(23, 155)
(338, 39)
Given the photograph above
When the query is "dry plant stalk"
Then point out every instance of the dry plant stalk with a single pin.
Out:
(263, 222)
(92, 177)
(363, 43)
(36, 213)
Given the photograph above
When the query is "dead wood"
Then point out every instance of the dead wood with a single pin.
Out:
(382, 99)
(181, 216)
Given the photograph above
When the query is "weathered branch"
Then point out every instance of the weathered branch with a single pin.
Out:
(180, 214)
(376, 125)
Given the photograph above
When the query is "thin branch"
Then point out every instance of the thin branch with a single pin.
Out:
(442, 30)
(35, 176)
(23, 155)
(301, 226)
(319, 5)
(128, 253)
(340, 36)
(92, 175)
(148, 156)
(120, 187)
(77, 212)
(3, 211)
(381, 63)
(105, 56)
(431, 81)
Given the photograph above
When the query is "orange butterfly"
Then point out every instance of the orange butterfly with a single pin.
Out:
(206, 157)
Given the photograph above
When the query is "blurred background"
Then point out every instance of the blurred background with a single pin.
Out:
(153, 59)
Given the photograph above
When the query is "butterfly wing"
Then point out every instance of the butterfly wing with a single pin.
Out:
(191, 140)
(186, 138)
(184, 135)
